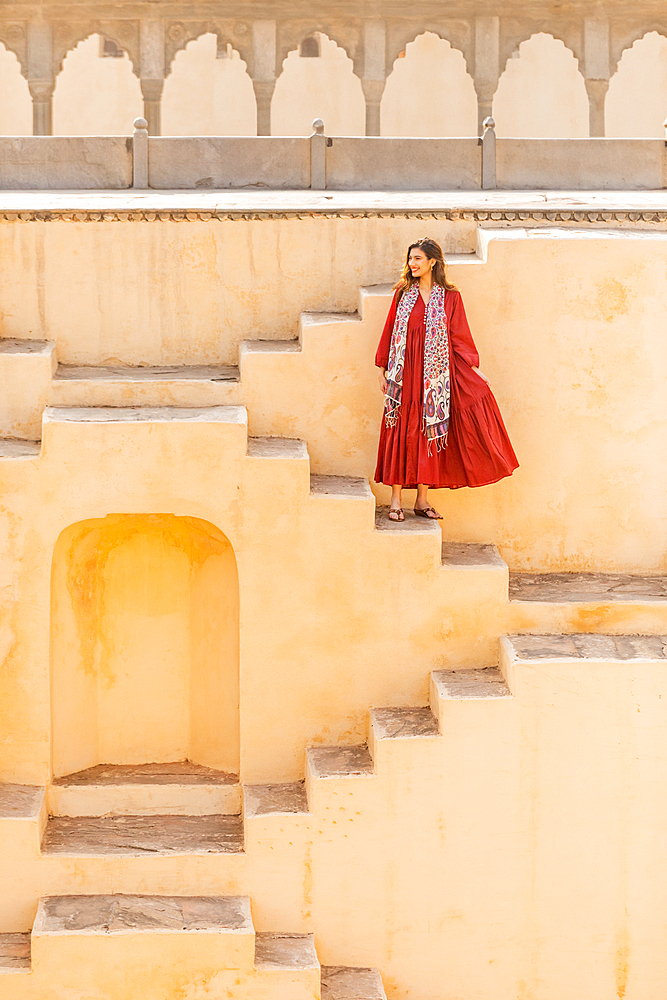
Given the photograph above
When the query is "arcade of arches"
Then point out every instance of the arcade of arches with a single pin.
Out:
(372, 77)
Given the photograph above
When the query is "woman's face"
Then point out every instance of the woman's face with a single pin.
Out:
(419, 263)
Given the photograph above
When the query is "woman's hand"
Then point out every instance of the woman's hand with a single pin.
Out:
(481, 375)
(382, 375)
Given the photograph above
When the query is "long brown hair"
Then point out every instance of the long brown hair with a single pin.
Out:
(433, 251)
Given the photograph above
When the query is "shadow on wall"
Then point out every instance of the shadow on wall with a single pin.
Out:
(144, 643)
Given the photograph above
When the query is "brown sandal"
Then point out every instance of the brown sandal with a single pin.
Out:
(429, 512)
(398, 511)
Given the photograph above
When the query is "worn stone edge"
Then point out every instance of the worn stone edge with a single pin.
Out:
(453, 215)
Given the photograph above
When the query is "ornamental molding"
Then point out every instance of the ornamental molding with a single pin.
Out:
(636, 219)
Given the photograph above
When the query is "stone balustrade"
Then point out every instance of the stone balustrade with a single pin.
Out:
(320, 162)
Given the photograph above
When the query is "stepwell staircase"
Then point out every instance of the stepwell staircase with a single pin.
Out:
(216, 887)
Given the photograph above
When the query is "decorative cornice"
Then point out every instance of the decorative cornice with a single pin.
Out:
(449, 215)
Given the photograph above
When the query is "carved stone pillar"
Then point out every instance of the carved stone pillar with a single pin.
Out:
(597, 93)
(152, 94)
(152, 69)
(596, 71)
(41, 92)
(375, 72)
(373, 91)
(264, 71)
(487, 66)
(41, 81)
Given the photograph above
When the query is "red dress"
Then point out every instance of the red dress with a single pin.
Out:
(478, 450)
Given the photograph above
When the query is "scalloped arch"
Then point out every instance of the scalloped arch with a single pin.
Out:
(457, 33)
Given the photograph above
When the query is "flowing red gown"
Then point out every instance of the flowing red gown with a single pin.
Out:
(478, 450)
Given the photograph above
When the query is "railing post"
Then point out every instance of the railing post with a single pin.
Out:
(318, 156)
(488, 142)
(140, 154)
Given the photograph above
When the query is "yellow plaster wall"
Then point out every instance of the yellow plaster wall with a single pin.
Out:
(568, 324)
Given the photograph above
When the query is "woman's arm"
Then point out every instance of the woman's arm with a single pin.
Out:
(382, 353)
(460, 336)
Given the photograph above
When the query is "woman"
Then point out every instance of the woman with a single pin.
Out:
(442, 427)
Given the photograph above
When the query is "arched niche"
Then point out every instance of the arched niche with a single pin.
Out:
(429, 92)
(15, 100)
(144, 643)
(96, 91)
(636, 103)
(318, 88)
(208, 91)
(541, 93)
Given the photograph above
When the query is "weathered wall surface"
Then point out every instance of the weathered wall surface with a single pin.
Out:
(569, 326)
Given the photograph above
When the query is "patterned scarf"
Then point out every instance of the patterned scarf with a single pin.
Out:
(435, 417)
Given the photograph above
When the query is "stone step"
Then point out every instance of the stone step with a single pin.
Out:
(268, 347)
(398, 737)
(403, 723)
(23, 816)
(160, 373)
(14, 953)
(12, 448)
(473, 684)
(162, 385)
(472, 556)
(144, 414)
(473, 704)
(329, 771)
(411, 524)
(277, 448)
(137, 836)
(585, 646)
(269, 800)
(339, 762)
(26, 370)
(586, 588)
(341, 982)
(286, 951)
(341, 487)
(179, 788)
(96, 945)
(595, 602)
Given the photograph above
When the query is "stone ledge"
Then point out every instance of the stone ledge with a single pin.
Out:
(119, 914)
(583, 646)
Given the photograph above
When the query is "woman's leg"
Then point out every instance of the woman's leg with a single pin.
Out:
(395, 512)
(422, 503)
